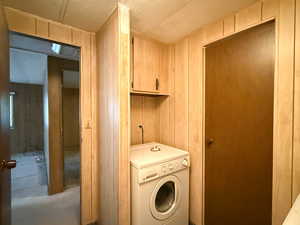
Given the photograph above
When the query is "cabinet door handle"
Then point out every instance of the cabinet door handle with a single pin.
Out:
(157, 83)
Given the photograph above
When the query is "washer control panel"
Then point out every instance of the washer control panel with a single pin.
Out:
(154, 172)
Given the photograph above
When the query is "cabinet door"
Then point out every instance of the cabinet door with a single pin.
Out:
(146, 59)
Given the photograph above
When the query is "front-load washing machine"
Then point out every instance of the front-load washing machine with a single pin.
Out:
(159, 185)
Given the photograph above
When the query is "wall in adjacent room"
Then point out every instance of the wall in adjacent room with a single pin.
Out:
(70, 108)
(27, 134)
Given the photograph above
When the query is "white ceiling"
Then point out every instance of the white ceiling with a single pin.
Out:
(171, 20)
(85, 14)
(164, 20)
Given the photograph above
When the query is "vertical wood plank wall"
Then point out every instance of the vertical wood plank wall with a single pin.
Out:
(107, 58)
(284, 105)
(145, 111)
(113, 44)
(187, 90)
(29, 24)
(70, 114)
(296, 152)
(124, 73)
(55, 156)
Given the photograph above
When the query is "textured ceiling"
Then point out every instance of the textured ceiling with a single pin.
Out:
(85, 14)
(171, 20)
(164, 20)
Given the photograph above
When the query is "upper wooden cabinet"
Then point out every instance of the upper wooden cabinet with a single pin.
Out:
(149, 66)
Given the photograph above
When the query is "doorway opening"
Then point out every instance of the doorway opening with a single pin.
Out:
(44, 131)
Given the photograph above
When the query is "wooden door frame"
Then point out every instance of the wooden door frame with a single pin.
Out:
(31, 25)
(283, 118)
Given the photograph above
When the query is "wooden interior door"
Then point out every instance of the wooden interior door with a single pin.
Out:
(5, 205)
(239, 91)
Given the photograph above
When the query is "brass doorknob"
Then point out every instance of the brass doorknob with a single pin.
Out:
(210, 141)
(8, 164)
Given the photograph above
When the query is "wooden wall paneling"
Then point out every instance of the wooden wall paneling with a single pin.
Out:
(164, 120)
(77, 37)
(136, 115)
(86, 124)
(283, 139)
(296, 144)
(166, 104)
(181, 95)
(56, 157)
(95, 132)
(213, 32)
(113, 54)
(249, 16)
(42, 28)
(20, 22)
(147, 111)
(270, 9)
(107, 69)
(150, 118)
(229, 25)
(70, 112)
(172, 93)
(60, 32)
(195, 128)
(124, 76)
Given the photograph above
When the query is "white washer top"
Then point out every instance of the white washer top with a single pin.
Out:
(141, 156)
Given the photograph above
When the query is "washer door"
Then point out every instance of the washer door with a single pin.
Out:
(165, 198)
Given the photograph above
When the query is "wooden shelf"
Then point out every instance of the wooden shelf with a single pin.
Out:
(148, 93)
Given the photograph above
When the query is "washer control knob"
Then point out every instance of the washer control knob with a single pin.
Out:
(185, 163)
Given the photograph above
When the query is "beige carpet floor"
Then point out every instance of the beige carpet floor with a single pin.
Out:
(59, 209)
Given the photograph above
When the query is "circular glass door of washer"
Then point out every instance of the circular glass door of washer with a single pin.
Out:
(165, 198)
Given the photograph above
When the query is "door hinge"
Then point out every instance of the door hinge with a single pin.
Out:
(157, 83)
(132, 40)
